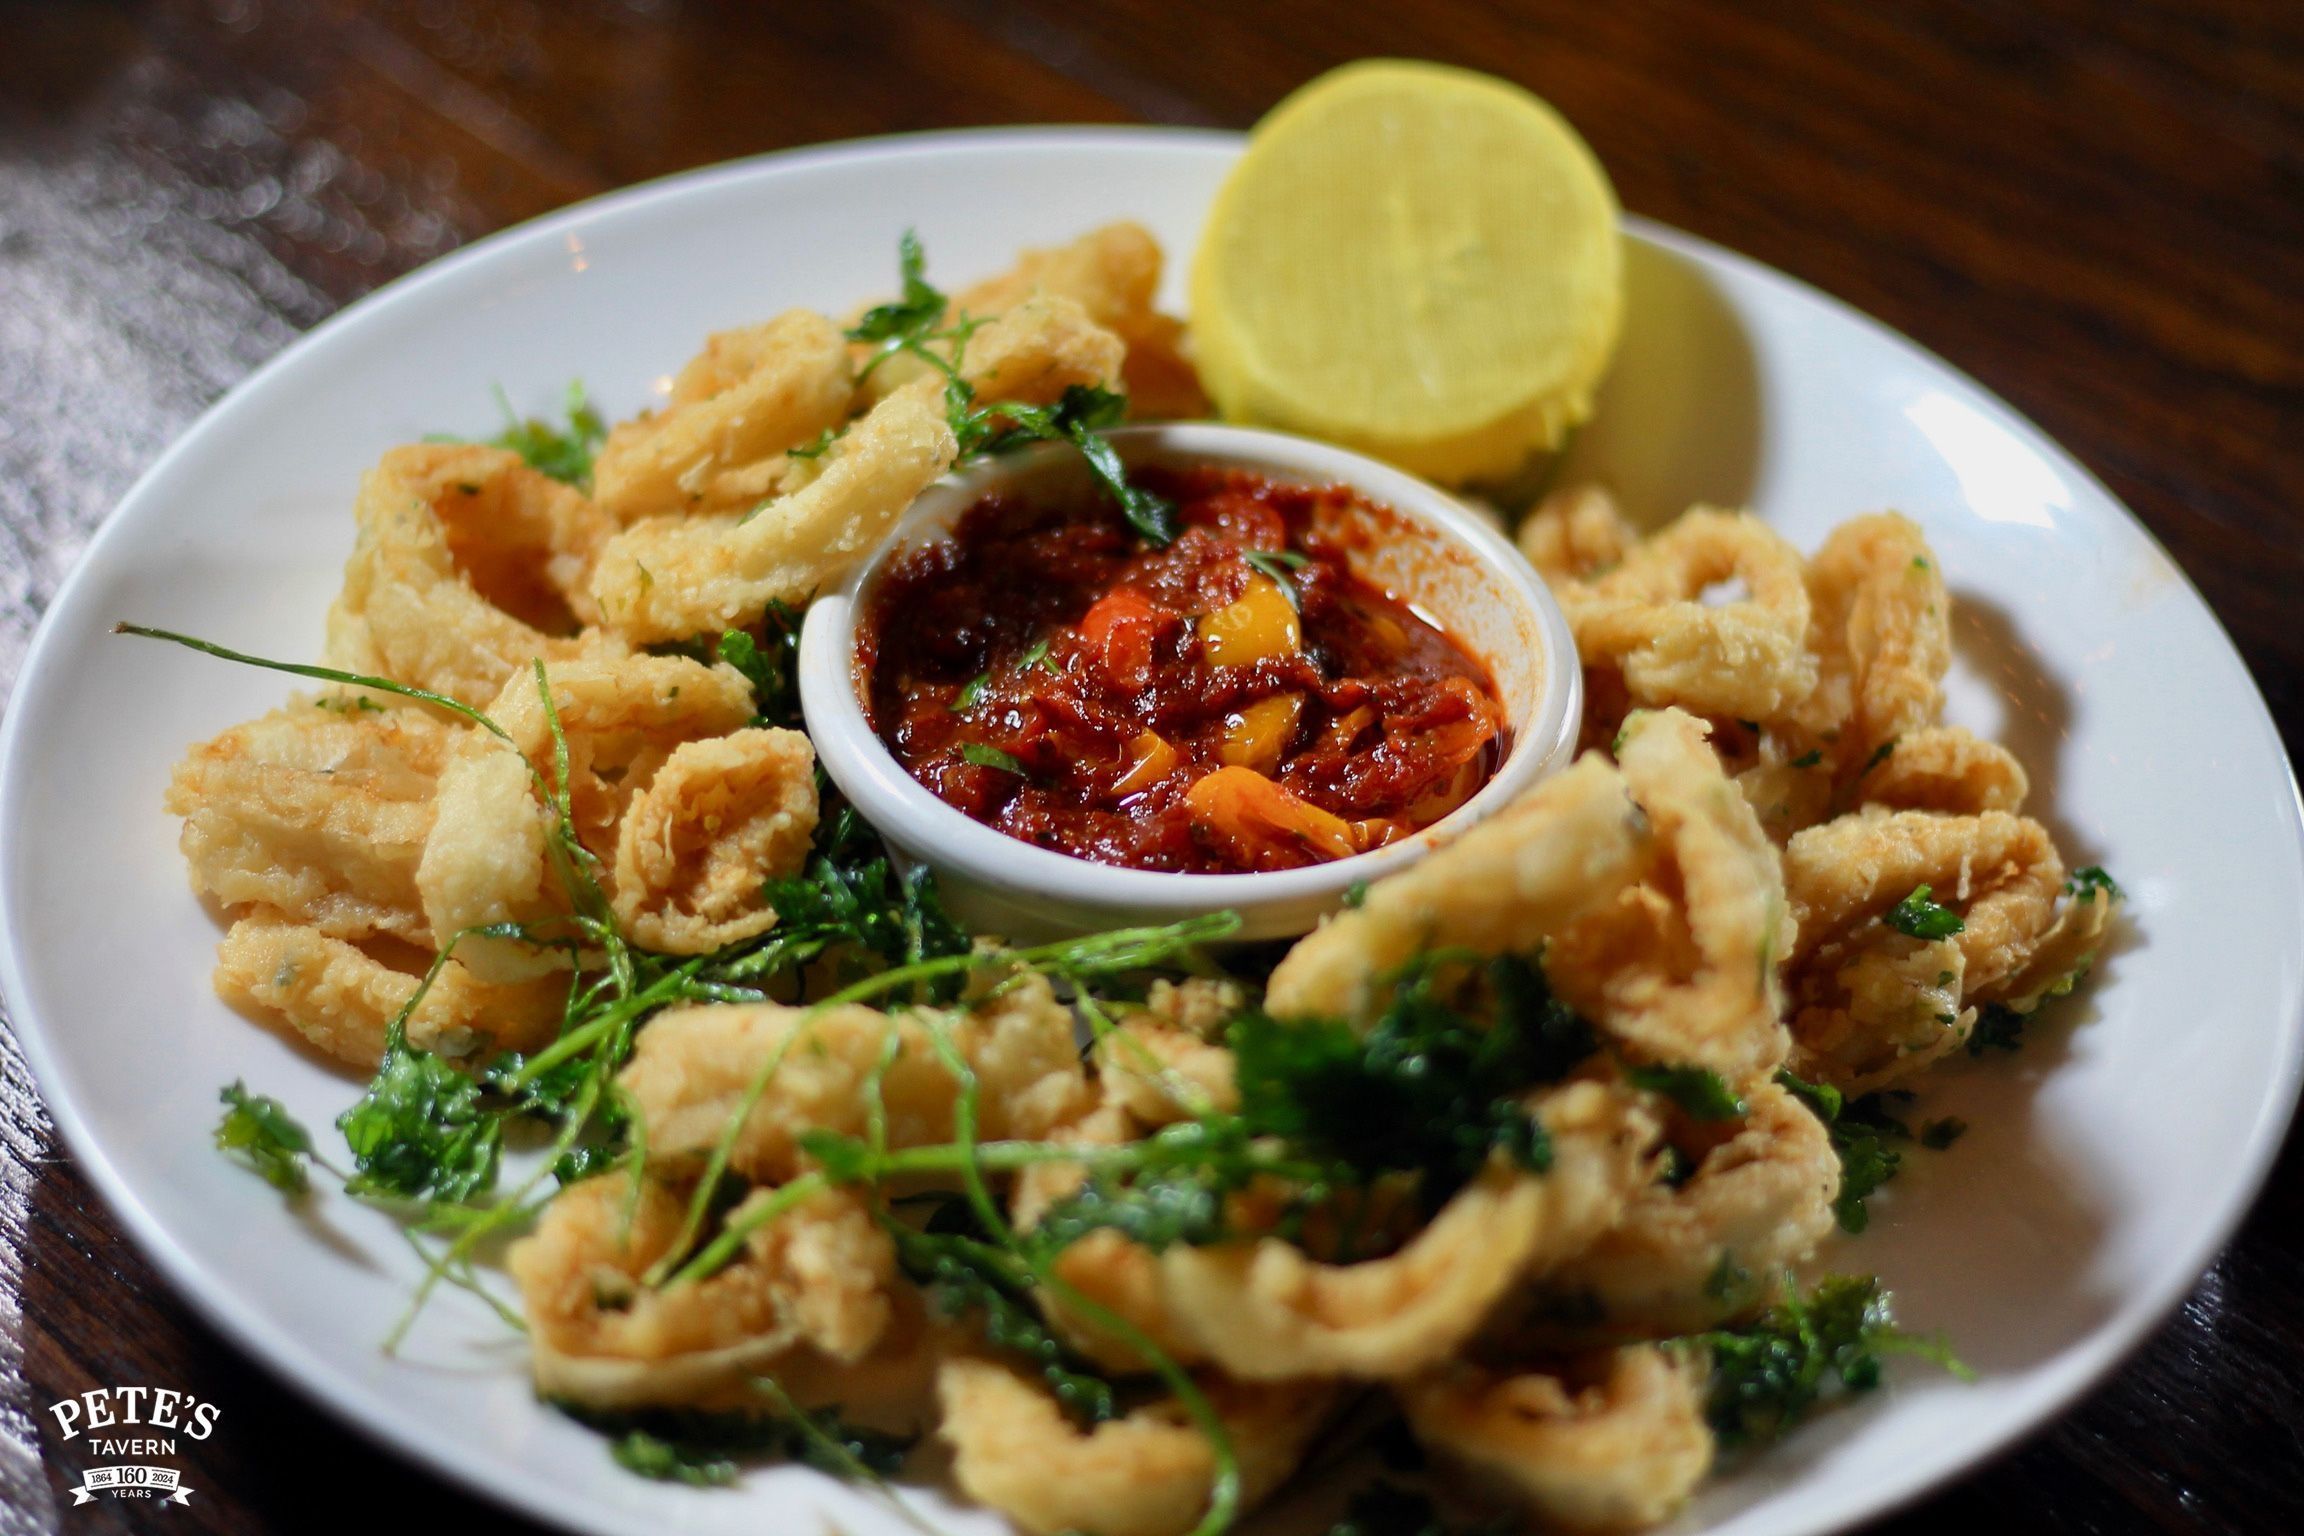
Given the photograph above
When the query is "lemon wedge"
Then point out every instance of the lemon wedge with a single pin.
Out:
(1419, 262)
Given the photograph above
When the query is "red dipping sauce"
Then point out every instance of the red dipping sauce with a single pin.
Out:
(1237, 701)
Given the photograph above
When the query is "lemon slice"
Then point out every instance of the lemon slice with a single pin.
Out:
(1416, 261)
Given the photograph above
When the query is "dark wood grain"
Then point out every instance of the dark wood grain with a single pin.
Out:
(2098, 210)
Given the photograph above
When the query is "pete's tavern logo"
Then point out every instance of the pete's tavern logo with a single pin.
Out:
(117, 1421)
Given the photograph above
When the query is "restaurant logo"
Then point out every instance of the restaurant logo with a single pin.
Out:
(127, 1422)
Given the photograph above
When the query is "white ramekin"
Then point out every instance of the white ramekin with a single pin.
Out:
(1458, 571)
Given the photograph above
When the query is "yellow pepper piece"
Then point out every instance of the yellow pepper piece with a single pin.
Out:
(1153, 760)
(1260, 624)
(1256, 736)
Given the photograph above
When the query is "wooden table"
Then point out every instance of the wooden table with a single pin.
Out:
(2096, 210)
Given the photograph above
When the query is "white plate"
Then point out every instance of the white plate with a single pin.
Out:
(2107, 1162)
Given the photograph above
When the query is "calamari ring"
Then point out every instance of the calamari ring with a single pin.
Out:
(1039, 349)
(434, 595)
(1946, 768)
(2061, 957)
(1882, 637)
(1166, 1062)
(2001, 872)
(319, 811)
(1265, 1311)
(1789, 793)
(487, 861)
(1576, 534)
(1102, 1267)
(1151, 1473)
(342, 1000)
(1682, 971)
(1607, 1441)
(819, 1276)
(1683, 1259)
(666, 578)
(1887, 1007)
(693, 1067)
(1114, 274)
(1746, 658)
(750, 395)
(1565, 848)
(486, 858)
(693, 848)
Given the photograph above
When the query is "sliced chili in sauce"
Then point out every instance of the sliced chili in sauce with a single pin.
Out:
(1049, 673)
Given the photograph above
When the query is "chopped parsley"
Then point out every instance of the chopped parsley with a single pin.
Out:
(1281, 567)
(1700, 1094)
(983, 756)
(966, 1275)
(1998, 1028)
(263, 1137)
(1770, 1373)
(422, 1130)
(1918, 917)
(850, 896)
(708, 1449)
(915, 323)
(564, 453)
(769, 664)
(1429, 1088)
(816, 447)
(1864, 1133)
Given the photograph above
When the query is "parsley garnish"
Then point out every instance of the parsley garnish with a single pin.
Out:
(966, 1275)
(983, 756)
(1769, 1373)
(816, 447)
(1863, 1135)
(1862, 1130)
(1808, 759)
(1998, 1027)
(707, 1449)
(973, 694)
(1822, 1098)
(1918, 917)
(564, 453)
(909, 318)
(1701, 1095)
(421, 1130)
(1879, 756)
(2089, 882)
(915, 324)
(262, 1136)
(850, 894)
(772, 667)
(1427, 1088)
(1281, 566)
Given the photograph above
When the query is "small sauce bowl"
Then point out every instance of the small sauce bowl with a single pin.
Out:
(1445, 560)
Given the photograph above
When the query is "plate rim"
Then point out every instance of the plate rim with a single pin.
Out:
(371, 1413)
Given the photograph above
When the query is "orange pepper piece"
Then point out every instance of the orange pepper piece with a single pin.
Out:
(1255, 819)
